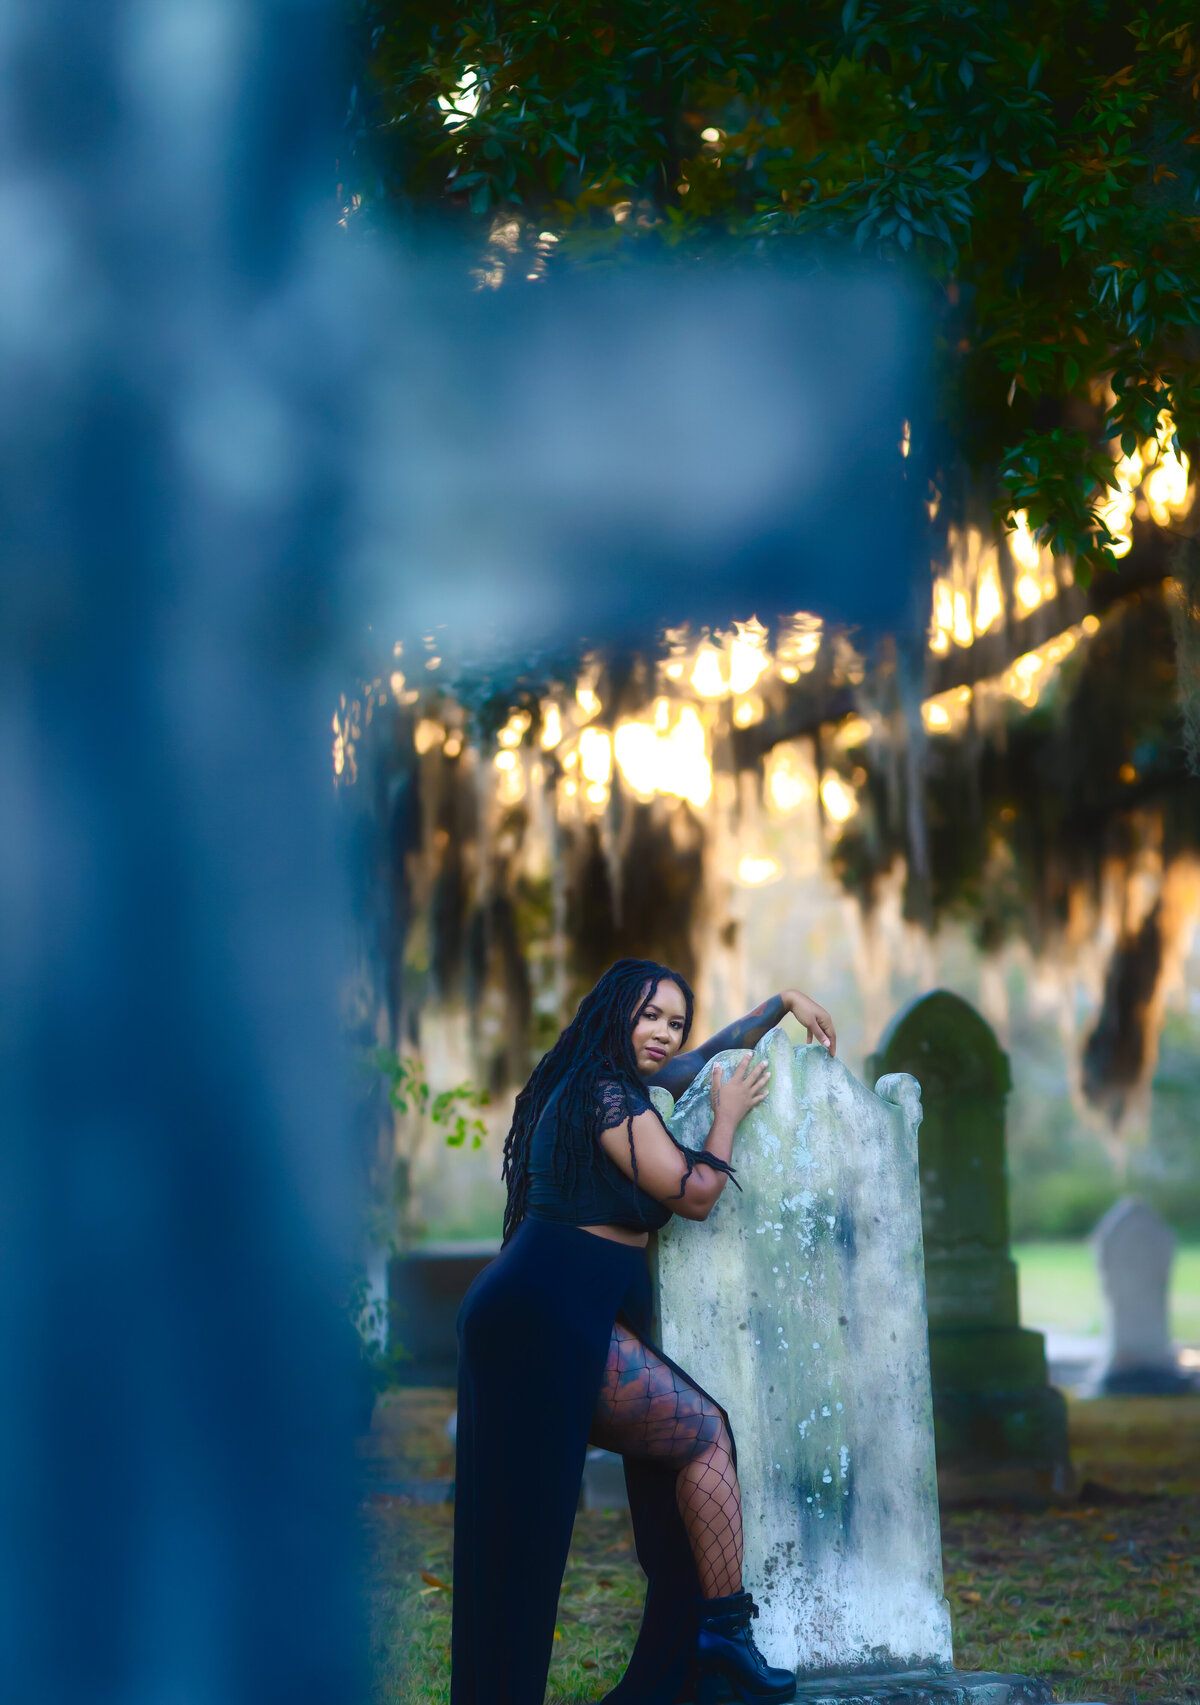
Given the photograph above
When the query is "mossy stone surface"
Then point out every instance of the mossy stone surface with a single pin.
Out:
(1001, 1429)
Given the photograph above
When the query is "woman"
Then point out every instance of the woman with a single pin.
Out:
(554, 1352)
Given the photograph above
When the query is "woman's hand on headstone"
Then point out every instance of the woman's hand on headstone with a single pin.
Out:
(746, 1086)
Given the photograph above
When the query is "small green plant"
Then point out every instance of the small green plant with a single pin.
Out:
(381, 1351)
(408, 1092)
(450, 1109)
(453, 1112)
(391, 1221)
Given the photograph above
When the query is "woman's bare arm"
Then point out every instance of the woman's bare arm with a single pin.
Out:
(662, 1171)
(744, 1032)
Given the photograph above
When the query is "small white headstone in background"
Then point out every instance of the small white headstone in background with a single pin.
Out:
(1134, 1249)
(604, 1481)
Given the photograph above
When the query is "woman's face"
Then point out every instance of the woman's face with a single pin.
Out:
(658, 1028)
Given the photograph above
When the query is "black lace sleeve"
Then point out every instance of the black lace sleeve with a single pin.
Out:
(619, 1103)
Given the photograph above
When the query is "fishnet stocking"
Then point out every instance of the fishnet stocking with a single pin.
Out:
(646, 1409)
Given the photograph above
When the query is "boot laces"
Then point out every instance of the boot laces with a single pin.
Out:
(759, 1660)
(749, 1615)
(752, 1615)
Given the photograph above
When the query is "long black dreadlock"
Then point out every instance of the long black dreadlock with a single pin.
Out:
(596, 1045)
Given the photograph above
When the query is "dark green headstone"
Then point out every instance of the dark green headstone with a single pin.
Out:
(1001, 1429)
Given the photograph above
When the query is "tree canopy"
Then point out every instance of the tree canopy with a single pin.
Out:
(1035, 166)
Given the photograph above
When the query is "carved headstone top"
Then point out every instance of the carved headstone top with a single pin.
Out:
(947, 1046)
(953, 1053)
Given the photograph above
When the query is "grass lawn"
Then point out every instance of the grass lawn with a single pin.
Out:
(1059, 1287)
(1103, 1600)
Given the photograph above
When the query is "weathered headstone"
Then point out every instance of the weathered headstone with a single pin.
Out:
(604, 1481)
(1134, 1250)
(1001, 1429)
(426, 1286)
(799, 1303)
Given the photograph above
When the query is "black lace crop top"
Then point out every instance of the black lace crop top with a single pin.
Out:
(595, 1191)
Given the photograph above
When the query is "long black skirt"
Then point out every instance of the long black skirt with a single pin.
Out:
(533, 1332)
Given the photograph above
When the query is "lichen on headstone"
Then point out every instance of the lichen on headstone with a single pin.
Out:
(799, 1304)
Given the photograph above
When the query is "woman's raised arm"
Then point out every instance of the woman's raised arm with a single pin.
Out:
(744, 1032)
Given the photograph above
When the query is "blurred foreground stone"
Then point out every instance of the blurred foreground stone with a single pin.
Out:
(180, 1193)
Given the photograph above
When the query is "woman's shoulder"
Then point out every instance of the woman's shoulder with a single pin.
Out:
(619, 1098)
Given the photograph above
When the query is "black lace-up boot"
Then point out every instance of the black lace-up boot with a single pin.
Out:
(728, 1663)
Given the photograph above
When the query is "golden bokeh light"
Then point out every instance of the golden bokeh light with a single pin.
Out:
(1028, 592)
(798, 646)
(748, 657)
(1029, 676)
(989, 598)
(790, 778)
(515, 729)
(595, 756)
(747, 711)
(756, 868)
(1026, 552)
(552, 730)
(946, 713)
(1168, 494)
(664, 756)
(708, 678)
(838, 797)
(968, 596)
(942, 624)
(853, 732)
(510, 784)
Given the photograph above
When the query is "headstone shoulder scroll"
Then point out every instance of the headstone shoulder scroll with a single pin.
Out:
(903, 1091)
(800, 1305)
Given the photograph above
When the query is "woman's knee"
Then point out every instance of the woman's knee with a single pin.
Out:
(719, 1449)
(709, 1442)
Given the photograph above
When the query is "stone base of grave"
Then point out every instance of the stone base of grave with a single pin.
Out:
(925, 1687)
(1147, 1382)
(1001, 1429)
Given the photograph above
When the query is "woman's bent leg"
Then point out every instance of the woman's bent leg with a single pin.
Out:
(647, 1410)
